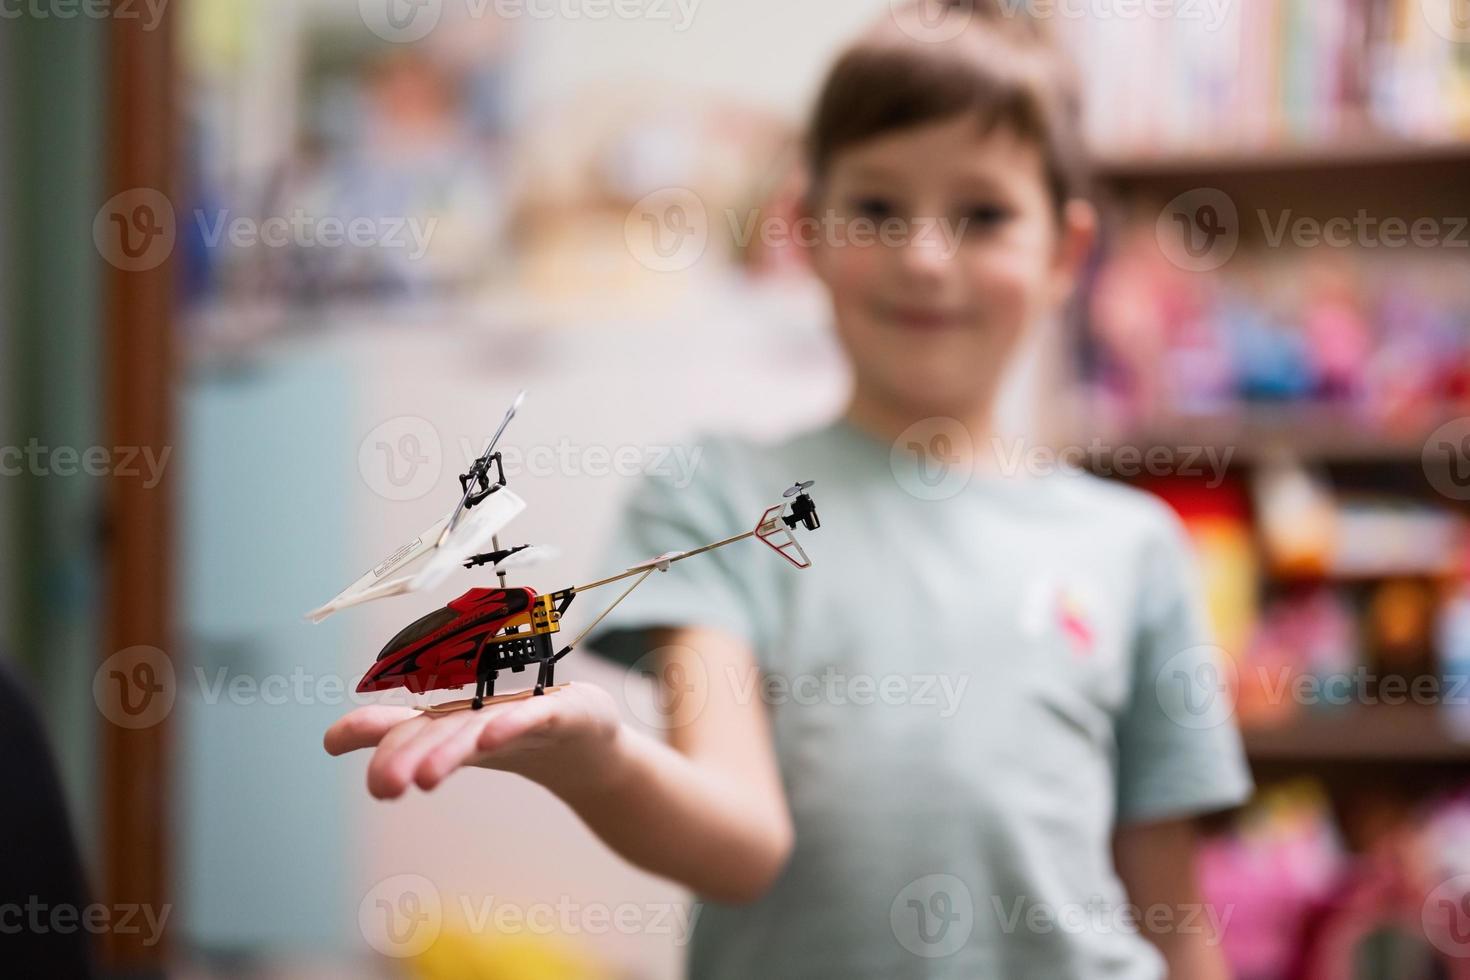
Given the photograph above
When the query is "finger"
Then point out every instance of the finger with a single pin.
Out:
(364, 727)
(449, 755)
(537, 715)
(400, 767)
(393, 764)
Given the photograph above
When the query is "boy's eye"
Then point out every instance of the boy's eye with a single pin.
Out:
(982, 217)
(875, 208)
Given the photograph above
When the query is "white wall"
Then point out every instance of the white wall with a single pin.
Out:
(770, 53)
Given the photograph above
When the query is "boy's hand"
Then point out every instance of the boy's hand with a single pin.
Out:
(567, 740)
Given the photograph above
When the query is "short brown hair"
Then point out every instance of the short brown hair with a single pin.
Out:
(930, 60)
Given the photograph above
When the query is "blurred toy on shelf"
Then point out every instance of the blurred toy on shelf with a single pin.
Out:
(1297, 518)
(1366, 891)
(1384, 341)
(1452, 641)
(1280, 859)
(1219, 524)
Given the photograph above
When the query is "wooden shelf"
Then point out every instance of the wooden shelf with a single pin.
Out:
(1357, 153)
(1378, 734)
(1317, 432)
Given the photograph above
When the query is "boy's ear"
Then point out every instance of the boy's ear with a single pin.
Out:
(794, 209)
(1076, 240)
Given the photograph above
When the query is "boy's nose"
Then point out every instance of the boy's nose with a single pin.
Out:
(922, 254)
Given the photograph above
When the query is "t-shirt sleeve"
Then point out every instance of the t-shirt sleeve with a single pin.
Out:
(1179, 749)
(714, 589)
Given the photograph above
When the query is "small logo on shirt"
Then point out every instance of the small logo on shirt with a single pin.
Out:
(1052, 607)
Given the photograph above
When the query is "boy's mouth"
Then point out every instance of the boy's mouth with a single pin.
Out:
(922, 317)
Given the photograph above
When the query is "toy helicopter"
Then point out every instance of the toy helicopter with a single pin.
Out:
(488, 630)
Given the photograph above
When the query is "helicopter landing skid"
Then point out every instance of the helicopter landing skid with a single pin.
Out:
(450, 707)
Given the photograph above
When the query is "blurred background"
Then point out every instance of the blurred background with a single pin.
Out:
(272, 271)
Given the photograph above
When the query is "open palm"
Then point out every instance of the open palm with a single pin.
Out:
(562, 738)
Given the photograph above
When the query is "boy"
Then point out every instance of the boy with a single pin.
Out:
(953, 748)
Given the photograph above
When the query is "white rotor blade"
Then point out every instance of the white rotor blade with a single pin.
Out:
(475, 533)
(368, 586)
(531, 555)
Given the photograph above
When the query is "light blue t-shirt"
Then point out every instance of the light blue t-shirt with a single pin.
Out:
(967, 694)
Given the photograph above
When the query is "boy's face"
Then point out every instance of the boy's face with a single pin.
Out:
(931, 310)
